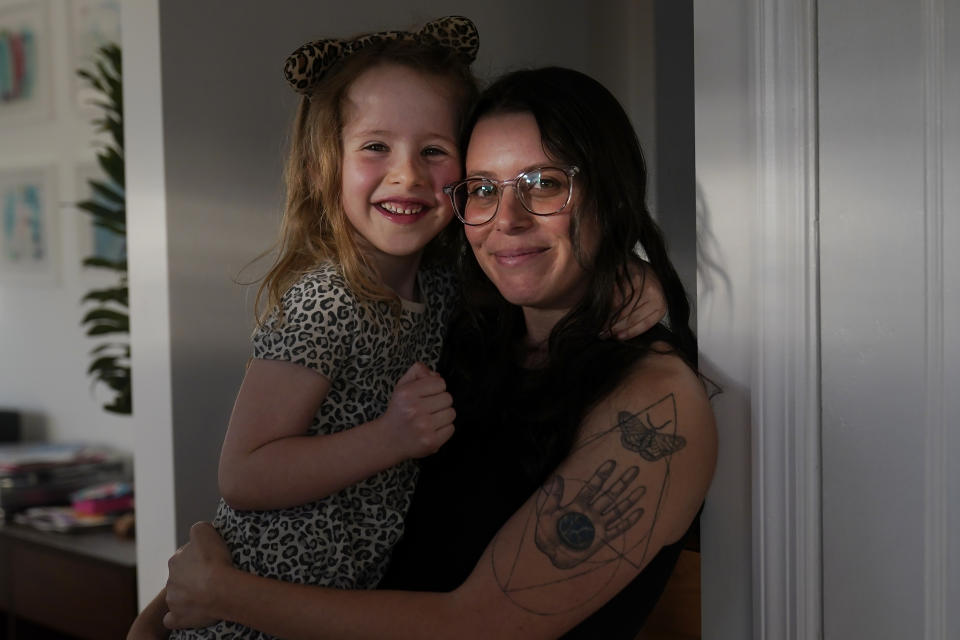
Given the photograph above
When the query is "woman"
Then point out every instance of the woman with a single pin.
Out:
(578, 464)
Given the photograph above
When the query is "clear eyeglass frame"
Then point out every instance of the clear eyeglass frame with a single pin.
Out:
(569, 170)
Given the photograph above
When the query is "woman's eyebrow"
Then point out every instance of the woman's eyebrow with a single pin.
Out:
(493, 176)
(479, 174)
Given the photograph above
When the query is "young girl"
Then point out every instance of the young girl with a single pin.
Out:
(357, 307)
(356, 314)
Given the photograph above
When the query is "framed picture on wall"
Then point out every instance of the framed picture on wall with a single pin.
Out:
(29, 233)
(93, 24)
(25, 62)
(96, 242)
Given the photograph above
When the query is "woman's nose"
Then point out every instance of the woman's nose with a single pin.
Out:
(512, 215)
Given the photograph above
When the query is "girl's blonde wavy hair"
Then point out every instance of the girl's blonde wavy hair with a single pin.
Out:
(315, 227)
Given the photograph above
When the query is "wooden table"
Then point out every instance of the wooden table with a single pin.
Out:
(83, 585)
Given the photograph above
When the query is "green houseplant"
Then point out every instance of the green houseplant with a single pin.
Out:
(107, 317)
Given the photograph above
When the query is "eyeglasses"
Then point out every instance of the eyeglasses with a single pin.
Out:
(543, 191)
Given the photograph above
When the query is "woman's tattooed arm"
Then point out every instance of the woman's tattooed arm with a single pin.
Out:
(571, 533)
(630, 486)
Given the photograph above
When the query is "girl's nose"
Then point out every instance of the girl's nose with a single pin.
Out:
(406, 170)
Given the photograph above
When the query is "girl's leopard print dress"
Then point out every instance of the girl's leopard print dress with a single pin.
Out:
(343, 540)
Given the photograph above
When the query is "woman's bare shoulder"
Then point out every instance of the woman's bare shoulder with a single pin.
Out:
(664, 364)
(660, 413)
(663, 377)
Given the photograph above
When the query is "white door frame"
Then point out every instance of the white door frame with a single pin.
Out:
(760, 335)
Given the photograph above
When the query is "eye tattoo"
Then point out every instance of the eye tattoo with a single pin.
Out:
(576, 531)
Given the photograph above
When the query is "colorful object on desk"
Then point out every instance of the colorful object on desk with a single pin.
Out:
(103, 506)
(103, 490)
(30, 456)
(41, 474)
(62, 519)
(101, 499)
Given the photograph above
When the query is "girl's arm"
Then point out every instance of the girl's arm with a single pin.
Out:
(633, 484)
(149, 623)
(267, 461)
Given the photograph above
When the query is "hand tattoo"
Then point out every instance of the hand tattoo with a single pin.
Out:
(593, 536)
(571, 533)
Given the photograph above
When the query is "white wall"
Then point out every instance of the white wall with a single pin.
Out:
(727, 171)
(43, 349)
(204, 162)
(828, 145)
(890, 292)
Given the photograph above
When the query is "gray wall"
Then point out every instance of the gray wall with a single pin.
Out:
(223, 122)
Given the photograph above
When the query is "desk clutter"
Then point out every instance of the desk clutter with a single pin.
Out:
(63, 572)
(62, 486)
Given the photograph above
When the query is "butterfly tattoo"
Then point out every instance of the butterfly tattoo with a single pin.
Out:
(645, 438)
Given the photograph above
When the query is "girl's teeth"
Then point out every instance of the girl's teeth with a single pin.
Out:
(395, 209)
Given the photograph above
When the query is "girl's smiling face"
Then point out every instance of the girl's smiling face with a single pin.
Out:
(399, 150)
(531, 259)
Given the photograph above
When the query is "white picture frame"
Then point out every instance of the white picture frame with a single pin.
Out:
(93, 23)
(29, 225)
(25, 63)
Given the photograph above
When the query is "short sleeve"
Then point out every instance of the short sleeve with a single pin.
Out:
(442, 291)
(318, 325)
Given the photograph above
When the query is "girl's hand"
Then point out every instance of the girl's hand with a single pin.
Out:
(646, 311)
(196, 572)
(419, 418)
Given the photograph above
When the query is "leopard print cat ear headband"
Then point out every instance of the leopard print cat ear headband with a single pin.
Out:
(307, 65)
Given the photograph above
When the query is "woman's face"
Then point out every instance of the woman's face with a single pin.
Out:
(530, 259)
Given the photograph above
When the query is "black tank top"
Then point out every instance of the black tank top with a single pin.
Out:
(472, 486)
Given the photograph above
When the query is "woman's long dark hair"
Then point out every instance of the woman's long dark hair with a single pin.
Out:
(581, 123)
